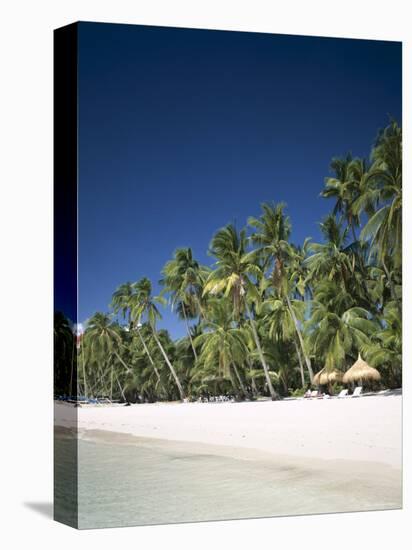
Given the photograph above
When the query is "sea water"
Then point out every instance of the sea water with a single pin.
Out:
(126, 480)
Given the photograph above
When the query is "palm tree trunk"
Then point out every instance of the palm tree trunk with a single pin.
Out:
(233, 381)
(169, 364)
(111, 382)
(252, 378)
(128, 369)
(241, 384)
(201, 310)
(302, 374)
(274, 395)
(188, 331)
(295, 321)
(120, 388)
(148, 354)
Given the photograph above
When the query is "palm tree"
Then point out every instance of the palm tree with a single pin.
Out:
(272, 232)
(121, 301)
(183, 279)
(103, 342)
(223, 349)
(344, 187)
(281, 324)
(332, 260)
(64, 354)
(383, 231)
(145, 305)
(232, 279)
(385, 348)
(337, 327)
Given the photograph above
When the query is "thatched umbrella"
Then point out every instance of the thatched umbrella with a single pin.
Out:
(361, 371)
(325, 377)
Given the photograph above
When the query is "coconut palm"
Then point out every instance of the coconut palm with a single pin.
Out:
(103, 342)
(281, 324)
(64, 354)
(331, 260)
(145, 305)
(121, 300)
(383, 230)
(272, 231)
(232, 278)
(337, 328)
(385, 347)
(344, 187)
(183, 280)
(222, 345)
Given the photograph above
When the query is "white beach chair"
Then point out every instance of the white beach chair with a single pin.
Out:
(357, 392)
(343, 393)
(314, 393)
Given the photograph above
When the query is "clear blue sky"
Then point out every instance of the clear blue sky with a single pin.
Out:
(182, 131)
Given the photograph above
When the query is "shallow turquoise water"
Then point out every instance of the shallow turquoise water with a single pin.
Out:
(126, 481)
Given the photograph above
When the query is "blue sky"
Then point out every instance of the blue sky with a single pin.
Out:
(182, 131)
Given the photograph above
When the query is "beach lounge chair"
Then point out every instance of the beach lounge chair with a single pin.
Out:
(314, 393)
(357, 392)
(343, 393)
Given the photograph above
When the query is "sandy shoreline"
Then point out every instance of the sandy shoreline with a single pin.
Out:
(368, 429)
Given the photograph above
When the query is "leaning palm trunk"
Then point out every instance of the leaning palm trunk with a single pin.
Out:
(241, 384)
(295, 321)
(128, 369)
(169, 364)
(188, 331)
(252, 378)
(233, 381)
(200, 308)
(120, 388)
(272, 391)
(149, 356)
(302, 374)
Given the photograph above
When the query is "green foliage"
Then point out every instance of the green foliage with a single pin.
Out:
(268, 311)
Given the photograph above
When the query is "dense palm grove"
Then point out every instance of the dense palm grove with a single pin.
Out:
(268, 314)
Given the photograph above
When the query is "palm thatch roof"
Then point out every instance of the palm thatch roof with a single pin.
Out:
(324, 377)
(360, 370)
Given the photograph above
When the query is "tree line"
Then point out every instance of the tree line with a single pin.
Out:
(268, 313)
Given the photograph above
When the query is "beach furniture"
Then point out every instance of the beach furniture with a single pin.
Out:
(314, 393)
(357, 392)
(343, 393)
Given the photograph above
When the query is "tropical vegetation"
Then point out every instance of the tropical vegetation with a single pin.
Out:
(268, 313)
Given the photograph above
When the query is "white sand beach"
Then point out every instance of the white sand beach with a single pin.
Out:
(366, 429)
